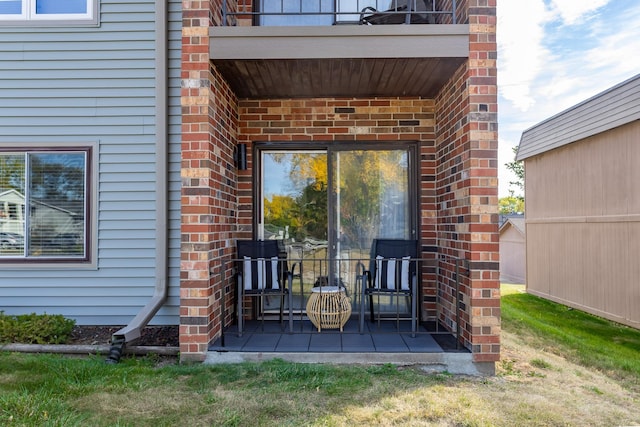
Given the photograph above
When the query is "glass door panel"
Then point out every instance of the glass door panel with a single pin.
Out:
(294, 210)
(370, 189)
(328, 206)
(370, 199)
(297, 12)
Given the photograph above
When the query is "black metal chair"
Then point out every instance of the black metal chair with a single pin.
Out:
(399, 12)
(393, 272)
(262, 272)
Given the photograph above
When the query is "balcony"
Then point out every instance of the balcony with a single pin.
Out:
(342, 49)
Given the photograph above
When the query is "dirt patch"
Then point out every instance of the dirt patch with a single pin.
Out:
(164, 336)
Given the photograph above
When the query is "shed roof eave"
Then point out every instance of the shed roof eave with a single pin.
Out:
(616, 106)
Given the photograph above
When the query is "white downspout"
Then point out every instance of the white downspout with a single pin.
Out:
(132, 330)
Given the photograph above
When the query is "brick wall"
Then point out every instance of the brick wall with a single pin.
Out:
(483, 221)
(467, 188)
(209, 200)
(457, 136)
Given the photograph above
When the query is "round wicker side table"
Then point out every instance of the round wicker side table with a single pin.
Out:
(328, 307)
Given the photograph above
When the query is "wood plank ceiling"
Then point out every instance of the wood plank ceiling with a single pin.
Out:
(341, 77)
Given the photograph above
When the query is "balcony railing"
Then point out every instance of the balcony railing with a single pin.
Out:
(336, 12)
(441, 275)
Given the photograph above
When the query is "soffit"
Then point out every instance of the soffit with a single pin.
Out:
(354, 61)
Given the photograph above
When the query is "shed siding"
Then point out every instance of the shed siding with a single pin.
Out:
(607, 110)
(512, 255)
(583, 224)
(97, 85)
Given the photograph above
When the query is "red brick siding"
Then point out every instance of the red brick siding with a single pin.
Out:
(209, 207)
(467, 191)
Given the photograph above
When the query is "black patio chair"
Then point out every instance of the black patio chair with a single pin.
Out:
(262, 272)
(393, 272)
(394, 15)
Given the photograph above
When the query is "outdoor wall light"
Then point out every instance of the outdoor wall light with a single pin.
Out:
(240, 156)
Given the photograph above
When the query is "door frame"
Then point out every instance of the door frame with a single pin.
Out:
(412, 148)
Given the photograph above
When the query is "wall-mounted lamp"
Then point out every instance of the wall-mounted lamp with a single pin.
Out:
(240, 156)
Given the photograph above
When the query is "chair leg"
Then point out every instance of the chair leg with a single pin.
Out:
(398, 312)
(261, 311)
(371, 311)
(362, 296)
(240, 317)
(414, 317)
(414, 308)
(290, 302)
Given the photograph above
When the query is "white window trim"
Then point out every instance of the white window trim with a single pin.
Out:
(29, 15)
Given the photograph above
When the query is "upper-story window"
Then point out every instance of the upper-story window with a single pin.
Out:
(44, 204)
(296, 12)
(20, 11)
(314, 12)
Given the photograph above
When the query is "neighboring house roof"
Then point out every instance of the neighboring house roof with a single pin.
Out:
(17, 197)
(502, 218)
(612, 108)
(517, 223)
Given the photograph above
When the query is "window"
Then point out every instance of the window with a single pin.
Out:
(315, 12)
(44, 205)
(48, 10)
(297, 12)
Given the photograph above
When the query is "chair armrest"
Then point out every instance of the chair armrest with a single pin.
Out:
(293, 269)
(367, 275)
(366, 11)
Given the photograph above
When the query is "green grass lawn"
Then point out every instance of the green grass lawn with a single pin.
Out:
(53, 390)
(585, 339)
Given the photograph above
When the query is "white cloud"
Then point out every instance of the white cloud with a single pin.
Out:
(521, 55)
(571, 11)
(617, 53)
(563, 53)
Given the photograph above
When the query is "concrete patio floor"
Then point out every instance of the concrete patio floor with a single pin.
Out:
(378, 344)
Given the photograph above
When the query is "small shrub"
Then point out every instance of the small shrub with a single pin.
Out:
(35, 328)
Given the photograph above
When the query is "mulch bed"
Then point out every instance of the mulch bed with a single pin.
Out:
(163, 336)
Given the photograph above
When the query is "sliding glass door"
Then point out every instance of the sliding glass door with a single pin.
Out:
(328, 205)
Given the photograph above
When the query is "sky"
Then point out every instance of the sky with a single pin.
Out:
(554, 54)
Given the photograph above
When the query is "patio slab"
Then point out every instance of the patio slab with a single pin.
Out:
(382, 338)
(379, 344)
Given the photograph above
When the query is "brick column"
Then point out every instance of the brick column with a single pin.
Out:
(468, 189)
(209, 124)
(483, 183)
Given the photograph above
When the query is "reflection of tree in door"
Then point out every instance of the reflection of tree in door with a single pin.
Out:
(371, 189)
(371, 194)
(301, 207)
(332, 207)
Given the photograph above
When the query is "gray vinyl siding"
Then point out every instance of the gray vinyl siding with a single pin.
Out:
(612, 108)
(96, 85)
